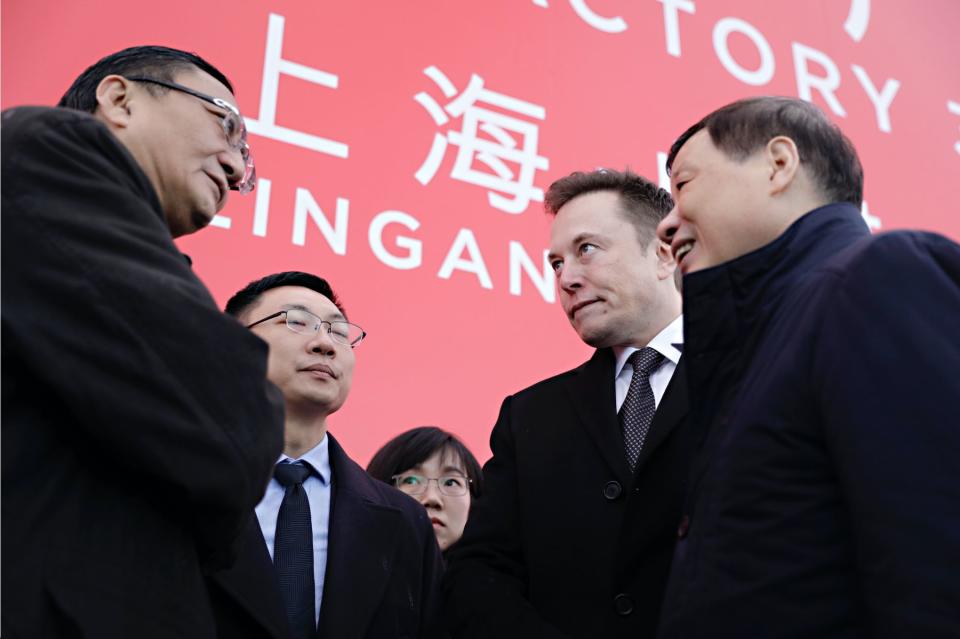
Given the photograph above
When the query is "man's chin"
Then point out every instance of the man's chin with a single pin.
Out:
(592, 336)
(200, 220)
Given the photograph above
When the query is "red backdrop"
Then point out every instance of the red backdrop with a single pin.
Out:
(417, 193)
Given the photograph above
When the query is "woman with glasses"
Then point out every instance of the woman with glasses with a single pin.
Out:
(436, 469)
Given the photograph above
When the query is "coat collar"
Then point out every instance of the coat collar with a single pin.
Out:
(361, 549)
(724, 303)
(591, 390)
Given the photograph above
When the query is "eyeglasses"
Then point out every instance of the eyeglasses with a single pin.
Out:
(233, 128)
(306, 323)
(449, 485)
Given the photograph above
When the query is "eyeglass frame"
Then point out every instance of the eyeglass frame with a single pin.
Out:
(426, 484)
(320, 323)
(248, 181)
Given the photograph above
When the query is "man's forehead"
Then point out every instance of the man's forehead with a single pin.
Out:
(591, 215)
(694, 148)
(284, 298)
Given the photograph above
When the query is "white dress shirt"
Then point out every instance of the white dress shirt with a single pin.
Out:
(318, 495)
(663, 343)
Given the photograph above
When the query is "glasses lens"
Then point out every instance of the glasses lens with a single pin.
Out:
(236, 132)
(410, 484)
(231, 128)
(453, 485)
(249, 180)
(301, 322)
(346, 333)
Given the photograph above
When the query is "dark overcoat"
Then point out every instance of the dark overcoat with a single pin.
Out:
(138, 427)
(825, 368)
(566, 541)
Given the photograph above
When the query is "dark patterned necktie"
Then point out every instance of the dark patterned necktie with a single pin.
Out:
(639, 405)
(293, 550)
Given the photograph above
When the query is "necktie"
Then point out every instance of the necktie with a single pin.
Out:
(293, 549)
(639, 405)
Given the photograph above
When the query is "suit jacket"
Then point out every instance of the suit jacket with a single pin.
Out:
(383, 568)
(138, 428)
(566, 541)
(825, 369)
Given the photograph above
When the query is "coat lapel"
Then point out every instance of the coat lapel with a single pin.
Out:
(252, 581)
(360, 554)
(671, 411)
(591, 391)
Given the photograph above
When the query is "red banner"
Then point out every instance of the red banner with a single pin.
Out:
(403, 149)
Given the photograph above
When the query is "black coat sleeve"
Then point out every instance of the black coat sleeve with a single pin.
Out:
(888, 357)
(485, 584)
(105, 314)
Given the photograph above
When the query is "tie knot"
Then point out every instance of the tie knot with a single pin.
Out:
(291, 474)
(645, 361)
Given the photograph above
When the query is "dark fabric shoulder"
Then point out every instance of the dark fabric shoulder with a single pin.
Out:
(889, 261)
(37, 140)
(550, 384)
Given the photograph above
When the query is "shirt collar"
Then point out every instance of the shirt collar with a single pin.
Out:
(668, 342)
(318, 457)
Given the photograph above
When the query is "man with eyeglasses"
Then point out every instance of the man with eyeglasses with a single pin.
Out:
(138, 426)
(330, 552)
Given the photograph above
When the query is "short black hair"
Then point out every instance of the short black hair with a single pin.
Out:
(161, 63)
(744, 127)
(415, 446)
(644, 203)
(250, 294)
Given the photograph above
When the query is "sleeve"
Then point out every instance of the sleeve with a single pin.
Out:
(485, 583)
(889, 396)
(104, 312)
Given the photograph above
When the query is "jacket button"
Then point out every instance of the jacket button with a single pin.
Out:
(684, 527)
(612, 490)
(623, 604)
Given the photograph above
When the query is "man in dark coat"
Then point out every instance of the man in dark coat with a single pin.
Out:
(368, 563)
(138, 426)
(824, 366)
(575, 531)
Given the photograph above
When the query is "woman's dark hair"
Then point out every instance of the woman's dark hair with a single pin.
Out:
(412, 448)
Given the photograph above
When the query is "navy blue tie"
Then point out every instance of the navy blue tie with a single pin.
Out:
(293, 550)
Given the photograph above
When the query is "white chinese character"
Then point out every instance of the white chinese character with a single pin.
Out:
(273, 66)
(506, 140)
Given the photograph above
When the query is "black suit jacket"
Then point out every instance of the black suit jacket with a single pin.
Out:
(138, 426)
(383, 568)
(566, 541)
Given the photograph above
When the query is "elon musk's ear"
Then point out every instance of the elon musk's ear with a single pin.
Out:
(666, 264)
(113, 100)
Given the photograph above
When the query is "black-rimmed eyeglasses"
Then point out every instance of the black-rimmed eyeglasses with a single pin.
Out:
(306, 323)
(233, 128)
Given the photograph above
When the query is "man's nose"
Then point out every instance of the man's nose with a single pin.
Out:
(322, 342)
(233, 165)
(668, 226)
(569, 278)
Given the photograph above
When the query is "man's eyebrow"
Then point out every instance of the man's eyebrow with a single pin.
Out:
(581, 237)
(300, 307)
